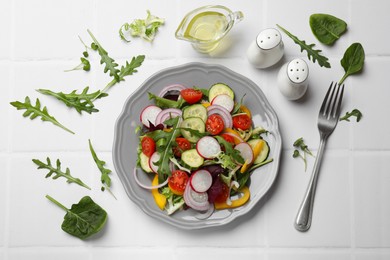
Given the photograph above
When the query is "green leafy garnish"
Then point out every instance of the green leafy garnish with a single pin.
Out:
(80, 102)
(353, 60)
(234, 155)
(166, 103)
(104, 178)
(327, 28)
(83, 219)
(34, 111)
(175, 202)
(356, 113)
(312, 54)
(56, 170)
(300, 144)
(144, 28)
(109, 62)
(85, 64)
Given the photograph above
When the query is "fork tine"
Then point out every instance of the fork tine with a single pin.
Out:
(332, 111)
(323, 106)
(338, 109)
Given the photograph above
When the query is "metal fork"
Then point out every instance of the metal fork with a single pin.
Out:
(327, 120)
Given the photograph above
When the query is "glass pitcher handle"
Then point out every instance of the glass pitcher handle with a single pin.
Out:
(236, 16)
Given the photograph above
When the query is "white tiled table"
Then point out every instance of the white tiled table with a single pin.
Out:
(352, 208)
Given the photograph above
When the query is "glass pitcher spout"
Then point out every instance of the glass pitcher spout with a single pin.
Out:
(204, 27)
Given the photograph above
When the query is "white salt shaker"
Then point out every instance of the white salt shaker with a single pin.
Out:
(266, 50)
(293, 79)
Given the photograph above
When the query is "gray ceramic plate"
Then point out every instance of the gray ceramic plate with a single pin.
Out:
(201, 75)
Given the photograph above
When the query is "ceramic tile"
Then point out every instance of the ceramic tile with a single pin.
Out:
(331, 213)
(42, 225)
(49, 75)
(59, 24)
(286, 14)
(107, 29)
(225, 253)
(4, 104)
(372, 255)
(237, 41)
(370, 86)
(6, 29)
(370, 34)
(3, 200)
(48, 253)
(309, 255)
(134, 253)
(371, 184)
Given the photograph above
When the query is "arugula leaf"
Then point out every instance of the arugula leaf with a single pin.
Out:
(126, 70)
(56, 170)
(166, 103)
(80, 102)
(105, 178)
(145, 29)
(355, 112)
(83, 219)
(353, 60)
(109, 62)
(312, 54)
(230, 151)
(327, 28)
(36, 111)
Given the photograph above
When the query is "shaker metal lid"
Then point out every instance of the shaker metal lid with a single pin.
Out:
(297, 70)
(268, 39)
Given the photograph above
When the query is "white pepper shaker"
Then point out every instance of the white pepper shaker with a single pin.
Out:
(293, 79)
(266, 50)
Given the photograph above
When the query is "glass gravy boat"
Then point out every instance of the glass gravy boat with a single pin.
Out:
(204, 27)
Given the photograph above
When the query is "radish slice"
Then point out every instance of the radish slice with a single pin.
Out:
(165, 90)
(223, 112)
(196, 200)
(166, 114)
(149, 114)
(201, 180)
(208, 147)
(245, 151)
(153, 159)
(146, 186)
(225, 101)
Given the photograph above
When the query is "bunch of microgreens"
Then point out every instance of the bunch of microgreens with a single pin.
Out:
(301, 148)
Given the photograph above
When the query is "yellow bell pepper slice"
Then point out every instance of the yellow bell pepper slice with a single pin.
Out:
(235, 203)
(246, 110)
(256, 152)
(245, 166)
(160, 199)
(206, 104)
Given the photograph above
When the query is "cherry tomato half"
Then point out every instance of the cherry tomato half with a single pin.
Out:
(148, 146)
(228, 138)
(177, 182)
(191, 95)
(242, 122)
(182, 145)
(214, 124)
(223, 195)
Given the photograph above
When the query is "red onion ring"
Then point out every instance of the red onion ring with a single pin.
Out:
(169, 88)
(191, 202)
(223, 112)
(145, 186)
(207, 214)
(166, 114)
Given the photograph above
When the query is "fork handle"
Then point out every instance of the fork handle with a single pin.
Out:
(304, 216)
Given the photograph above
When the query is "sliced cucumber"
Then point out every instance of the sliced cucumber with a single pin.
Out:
(144, 162)
(218, 89)
(192, 158)
(263, 155)
(194, 123)
(196, 110)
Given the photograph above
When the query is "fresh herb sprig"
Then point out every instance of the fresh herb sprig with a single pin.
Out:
(81, 102)
(312, 54)
(85, 64)
(83, 219)
(353, 60)
(56, 170)
(104, 178)
(34, 111)
(355, 112)
(300, 146)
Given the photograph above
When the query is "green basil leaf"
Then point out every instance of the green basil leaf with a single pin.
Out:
(327, 28)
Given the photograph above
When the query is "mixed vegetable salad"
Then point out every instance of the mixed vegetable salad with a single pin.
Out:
(201, 146)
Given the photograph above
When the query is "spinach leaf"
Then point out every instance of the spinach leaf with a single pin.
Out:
(312, 54)
(353, 60)
(83, 219)
(327, 28)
